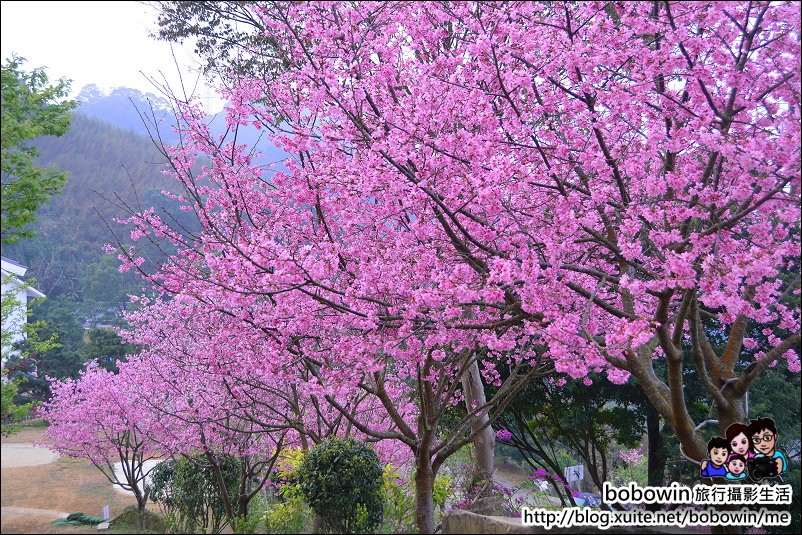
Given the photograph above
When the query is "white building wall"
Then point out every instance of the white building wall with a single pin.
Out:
(12, 273)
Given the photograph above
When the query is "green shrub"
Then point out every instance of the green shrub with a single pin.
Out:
(399, 513)
(189, 493)
(342, 481)
(132, 521)
(245, 525)
(286, 511)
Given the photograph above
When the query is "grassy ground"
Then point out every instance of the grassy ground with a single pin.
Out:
(34, 496)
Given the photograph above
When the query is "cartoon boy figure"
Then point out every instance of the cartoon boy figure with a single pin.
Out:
(736, 467)
(717, 450)
(768, 460)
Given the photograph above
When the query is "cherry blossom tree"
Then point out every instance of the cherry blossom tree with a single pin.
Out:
(100, 417)
(212, 371)
(207, 369)
(214, 393)
(195, 421)
(476, 185)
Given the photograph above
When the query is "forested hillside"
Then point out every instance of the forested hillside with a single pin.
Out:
(107, 166)
(111, 163)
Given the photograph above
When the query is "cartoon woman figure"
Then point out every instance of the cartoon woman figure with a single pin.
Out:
(739, 441)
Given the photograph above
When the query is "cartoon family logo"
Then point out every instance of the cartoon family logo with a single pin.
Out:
(752, 446)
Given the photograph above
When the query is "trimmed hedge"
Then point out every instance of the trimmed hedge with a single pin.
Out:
(341, 481)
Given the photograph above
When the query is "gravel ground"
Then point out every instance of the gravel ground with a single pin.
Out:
(17, 455)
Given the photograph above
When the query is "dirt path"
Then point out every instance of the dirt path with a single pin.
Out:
(17, 455)
(38, 487)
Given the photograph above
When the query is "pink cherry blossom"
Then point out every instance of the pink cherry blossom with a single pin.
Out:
(471, 186)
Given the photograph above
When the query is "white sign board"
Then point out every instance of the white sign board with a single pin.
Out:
(574, 473)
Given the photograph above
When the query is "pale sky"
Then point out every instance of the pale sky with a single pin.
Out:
(101, 43)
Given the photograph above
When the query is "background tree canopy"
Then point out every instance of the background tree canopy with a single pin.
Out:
(31, 108)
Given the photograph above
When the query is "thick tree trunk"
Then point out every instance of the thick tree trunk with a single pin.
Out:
(137, 483)
(424, 469)
(668, 399)
(424, 499)
(484, 443)
(318, 524)
(243, 494)
(733, 411)
(242, 507)
(222, 488)
(656, 460)
(141, 502)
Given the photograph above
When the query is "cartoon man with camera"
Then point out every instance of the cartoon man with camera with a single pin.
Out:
(768, 460)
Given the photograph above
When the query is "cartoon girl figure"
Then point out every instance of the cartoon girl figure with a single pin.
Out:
(739, 442)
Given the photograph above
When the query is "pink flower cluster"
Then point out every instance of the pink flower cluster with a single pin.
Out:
(469, 190)
(633, 456)
(503, 434)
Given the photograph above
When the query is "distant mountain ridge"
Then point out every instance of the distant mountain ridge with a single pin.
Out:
(127, 108)
(92, 94)
(133, 110)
